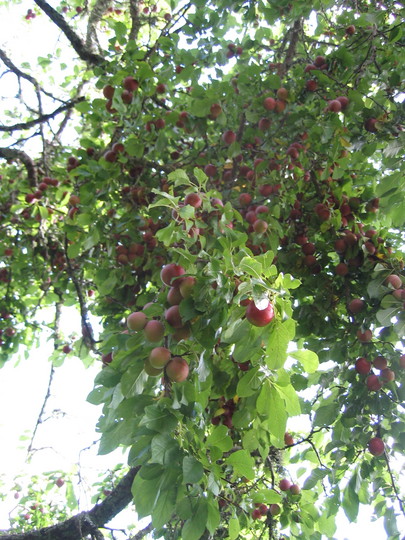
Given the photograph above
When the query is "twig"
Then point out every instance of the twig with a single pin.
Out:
(58, 311)
(394, 486)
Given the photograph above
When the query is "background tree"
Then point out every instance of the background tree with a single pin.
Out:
(231, 211)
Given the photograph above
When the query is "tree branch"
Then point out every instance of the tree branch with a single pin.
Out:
(42, 118)
(394, 486)
(87, 330)
(142, 533)
(76, 41)
(86, 523)
(100, 7)
(136, 23)
(13, 153)
(295, 31)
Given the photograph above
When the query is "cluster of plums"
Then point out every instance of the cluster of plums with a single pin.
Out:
(160, 358)
(262, 510)
(373, 381)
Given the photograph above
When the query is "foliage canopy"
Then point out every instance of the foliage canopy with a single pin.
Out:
(254, 150)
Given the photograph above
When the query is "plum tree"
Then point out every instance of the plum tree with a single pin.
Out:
(236, 209)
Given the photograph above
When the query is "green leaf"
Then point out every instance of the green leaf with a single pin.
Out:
(327, 524)
(242, 463)
(83, 107)
(158, 419)
(164, 506)
(308, 359)
(140, 451)
(280, 336)
(291, 399)
(251, 266)
(167, 234)
(219, 437)
(213, 518)
(350, 503)
(200, 108)
(92, 240)
(326, 415)
(273, 82)
(316, 476)
(144, 493)
(384, 316)
(73, 250)
(164, 449)
(249, 383)
(179, 177)
(108, 285)
(71, 499)
(194, 527)
(270, 404)
(192, 470)
(233, 528)
(134, 147)
(390, 523)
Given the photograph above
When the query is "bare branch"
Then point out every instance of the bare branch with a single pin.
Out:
(76, 41)
(21, 74)
(13, 153)
(42, 118)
